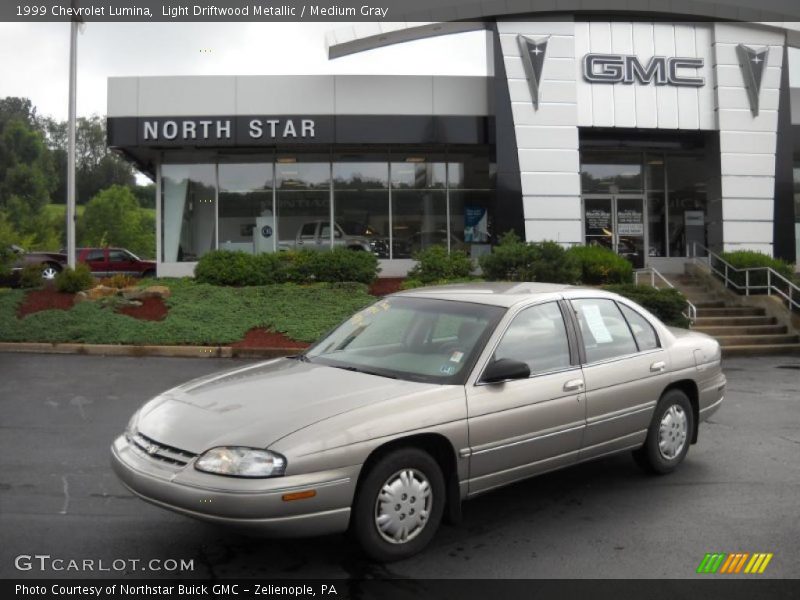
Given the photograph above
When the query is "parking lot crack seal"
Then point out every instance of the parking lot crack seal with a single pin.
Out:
(65, 506)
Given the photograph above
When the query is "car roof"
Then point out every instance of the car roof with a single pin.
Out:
(505, 293)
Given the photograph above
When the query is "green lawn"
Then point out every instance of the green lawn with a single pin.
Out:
(199, 314)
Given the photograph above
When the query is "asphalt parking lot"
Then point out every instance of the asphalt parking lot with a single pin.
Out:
(738, 491)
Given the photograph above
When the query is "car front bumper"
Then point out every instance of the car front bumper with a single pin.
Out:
(256, 505)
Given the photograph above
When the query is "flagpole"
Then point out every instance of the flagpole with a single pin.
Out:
(73, 68)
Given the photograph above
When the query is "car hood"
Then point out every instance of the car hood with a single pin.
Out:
(259, 404)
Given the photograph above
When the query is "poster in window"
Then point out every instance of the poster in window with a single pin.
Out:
(598, 221)
(476, 224)
(630, 222)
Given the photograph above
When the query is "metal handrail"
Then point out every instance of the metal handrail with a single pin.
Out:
(692, 309)
(792, 297)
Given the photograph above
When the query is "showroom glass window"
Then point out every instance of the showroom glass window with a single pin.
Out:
(656, 204)
(188, 207)
(303, 201)
(470, 196)
(687, 182)
(361, 202)
(797, 208)
(246, 213)
(604, 172)
(419, 203)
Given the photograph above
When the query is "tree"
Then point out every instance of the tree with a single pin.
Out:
(27, 176)
(97, 168)
(113, 218)
(21, 109)
(146, 195)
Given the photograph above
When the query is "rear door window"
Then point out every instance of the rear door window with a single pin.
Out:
(643, 332)
(604, 330)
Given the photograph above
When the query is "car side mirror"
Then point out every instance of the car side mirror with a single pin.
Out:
(505, 369)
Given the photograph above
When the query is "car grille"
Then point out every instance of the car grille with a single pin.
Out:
(158, 451)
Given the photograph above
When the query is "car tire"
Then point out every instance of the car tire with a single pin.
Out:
(148, 274)
(49, 271)
(404, 487)
(669, 435)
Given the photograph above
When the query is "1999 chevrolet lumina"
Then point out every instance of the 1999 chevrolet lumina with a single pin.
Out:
(422, 400)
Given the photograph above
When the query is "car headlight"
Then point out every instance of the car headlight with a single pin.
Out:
(237, 461)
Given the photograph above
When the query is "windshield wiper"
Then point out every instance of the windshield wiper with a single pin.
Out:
(300, 357)
(358, 370)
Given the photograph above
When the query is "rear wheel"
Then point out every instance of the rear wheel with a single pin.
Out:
(399, 505)
(669, 434)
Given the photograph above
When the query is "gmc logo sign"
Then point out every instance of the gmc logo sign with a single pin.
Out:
(627, 69)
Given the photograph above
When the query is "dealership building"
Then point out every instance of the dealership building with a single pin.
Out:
(656, 136)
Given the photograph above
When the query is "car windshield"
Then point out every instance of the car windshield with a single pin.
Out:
(417, 339)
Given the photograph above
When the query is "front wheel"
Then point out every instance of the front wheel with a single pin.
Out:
(669, 434)
(399, 505)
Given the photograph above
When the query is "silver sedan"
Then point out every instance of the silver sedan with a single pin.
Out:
(418, 402)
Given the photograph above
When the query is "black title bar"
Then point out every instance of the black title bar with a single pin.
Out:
(378, 10)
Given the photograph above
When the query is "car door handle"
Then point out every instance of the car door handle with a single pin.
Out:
(573, 385)
(657, 367)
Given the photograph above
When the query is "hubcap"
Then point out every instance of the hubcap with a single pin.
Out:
(672, 432)
(403, 506)
(49, 273)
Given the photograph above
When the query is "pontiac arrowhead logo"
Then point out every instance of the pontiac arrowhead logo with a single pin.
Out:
(752, 62)
(533, 52)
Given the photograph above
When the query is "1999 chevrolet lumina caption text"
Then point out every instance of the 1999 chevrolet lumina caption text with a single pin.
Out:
(196, 10)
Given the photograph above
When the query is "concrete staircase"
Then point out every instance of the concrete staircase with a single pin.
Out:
(742, 329)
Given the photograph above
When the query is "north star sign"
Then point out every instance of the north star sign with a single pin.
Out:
(226, 129)
(628, 69)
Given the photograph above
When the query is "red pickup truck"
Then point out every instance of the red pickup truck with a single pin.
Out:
(105, 262)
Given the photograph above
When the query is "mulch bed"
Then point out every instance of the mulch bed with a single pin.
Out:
(152, 309)
(385, 285)
(259, 337)
(44, 299)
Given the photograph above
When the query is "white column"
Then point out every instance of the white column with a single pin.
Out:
(747, 143)
(547, 138)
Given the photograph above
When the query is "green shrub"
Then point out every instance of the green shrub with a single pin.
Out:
(342, 264)
(599, 265)
(224, 267)
(31, 276)
(437, 264)
(668, 304)
(74, 280)
(515, 260)
(746, 259)
(297, 265)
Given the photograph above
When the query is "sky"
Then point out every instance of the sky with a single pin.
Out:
(34, 58)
